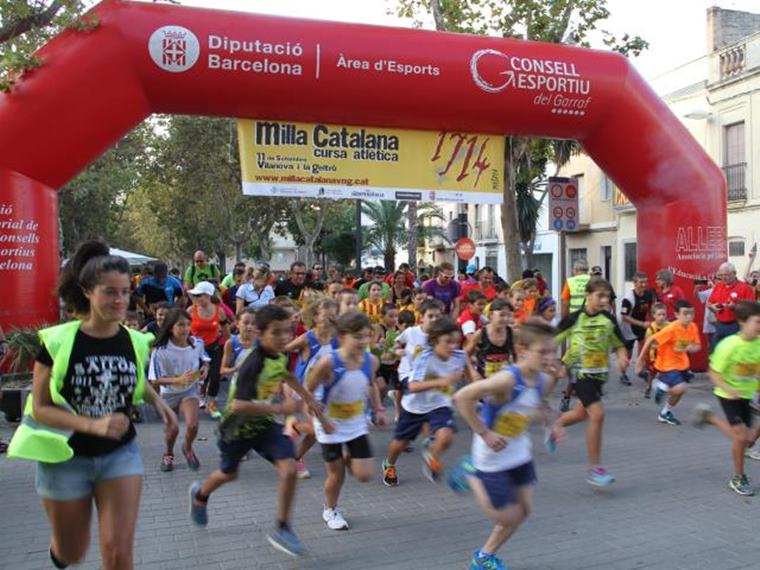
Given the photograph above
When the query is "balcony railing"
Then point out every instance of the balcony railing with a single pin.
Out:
(485, 231)
(736, 178)
(733, 61)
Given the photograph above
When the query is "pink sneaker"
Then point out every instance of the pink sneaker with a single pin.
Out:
(301, 470)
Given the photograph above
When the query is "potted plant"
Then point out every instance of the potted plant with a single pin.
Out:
(16, 383)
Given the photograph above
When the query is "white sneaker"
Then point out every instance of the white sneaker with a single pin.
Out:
(753, 453)
(334, 519)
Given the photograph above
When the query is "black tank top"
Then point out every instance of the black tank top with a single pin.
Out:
(492, 358)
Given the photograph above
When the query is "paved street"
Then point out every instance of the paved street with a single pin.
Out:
(670, 508)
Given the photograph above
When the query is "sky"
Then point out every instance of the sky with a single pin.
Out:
(675, 29)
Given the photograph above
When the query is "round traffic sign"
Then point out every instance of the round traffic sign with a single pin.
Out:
(571, 191)
(570, 212)
(558, 224)
(465, 249)
(557, 211)
(556, 190)
(570, 225)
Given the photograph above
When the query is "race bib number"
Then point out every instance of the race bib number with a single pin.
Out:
(269, 390)
(491, 368)
(511, 425)
(682, 344)
(746, 371)
(345, 410)
(594, 360)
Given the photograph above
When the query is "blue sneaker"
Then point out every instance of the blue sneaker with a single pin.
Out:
(482, 561)
(598, 477)
(198, 513)
(550, 442)
(457, 477)
(285, 540)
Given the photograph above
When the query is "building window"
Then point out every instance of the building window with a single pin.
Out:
(492, 257)
(607, 188)
(576, 254)
(491, 227)
(736, 248)
(735, 161)
(629, 256)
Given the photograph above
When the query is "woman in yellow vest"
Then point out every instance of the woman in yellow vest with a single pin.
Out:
(88, 376)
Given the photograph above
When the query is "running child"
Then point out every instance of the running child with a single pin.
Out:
(735, 371)
(346, 377)
(320, 341)
(659, 321)
(493, 345)
(406, 320)
(435, 376)
(517, 300)
(418, 297)
(472, 319)
(239, 343)
(500, 472)
(592, 333)
(178, 365)
(373, 304)
(348, 300)
(384, 339)
(674, 343)
(254, 400)
(162, 307)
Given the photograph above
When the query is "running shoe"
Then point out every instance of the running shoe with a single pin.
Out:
(624, 380)
(598, 477)
(741, 485)
(564, 405)
(702, 415)
(668, 418)
(334, 519)
(753, 453)
(192, 460)
(644, 375)
(302, 471)
(648, 393)
(137, 416)
(285, 540)
(212, 410)
(390, 477)
(431, 467)
(458, 474)
(167, 463)
(198, 513)
(203, 403)
(482, 561)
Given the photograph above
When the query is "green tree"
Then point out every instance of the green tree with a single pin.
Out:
(555, 21)
(390, 226)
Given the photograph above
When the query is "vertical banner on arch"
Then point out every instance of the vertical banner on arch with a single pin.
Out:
(287, 159)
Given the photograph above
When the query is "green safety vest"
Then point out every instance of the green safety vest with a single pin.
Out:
(577, 285)
(38, 442)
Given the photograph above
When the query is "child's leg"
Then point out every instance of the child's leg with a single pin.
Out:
(509, 519)
(336, 476)
(407, 428)
(190, 410)
(676, 392)
(594, 433)
(572, 417)
(362, 469)
(286, 490)
(170, 436)
(444, 437)
(396, 448)
(215, 480)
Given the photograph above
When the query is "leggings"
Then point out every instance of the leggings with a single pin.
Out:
(214, 352)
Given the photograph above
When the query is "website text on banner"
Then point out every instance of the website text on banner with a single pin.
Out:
(290, 159)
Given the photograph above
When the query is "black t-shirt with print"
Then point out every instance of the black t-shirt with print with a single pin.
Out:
(289, 289)
(100, 380)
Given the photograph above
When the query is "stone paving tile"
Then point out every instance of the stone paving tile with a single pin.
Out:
(670, 508)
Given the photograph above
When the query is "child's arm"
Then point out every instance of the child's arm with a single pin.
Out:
(622, 358)
(227, 364)
(472, 341)
(296, 344)
(470, 373)
(259, 408)
(716, 379)
(466, 401)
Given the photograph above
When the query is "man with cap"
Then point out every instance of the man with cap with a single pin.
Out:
(484, 283)
(200, 270)
(574, 291)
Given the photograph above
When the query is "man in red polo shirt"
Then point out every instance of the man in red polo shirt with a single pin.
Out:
(667, 293)
(727, 292)
(484, 284)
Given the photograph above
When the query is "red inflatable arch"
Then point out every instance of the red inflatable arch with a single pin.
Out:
(94, 87)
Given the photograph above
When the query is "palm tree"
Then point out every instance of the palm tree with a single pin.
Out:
(390, 227)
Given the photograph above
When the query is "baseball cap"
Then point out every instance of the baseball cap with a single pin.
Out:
(471, 268)
(203, 288)
(596, 270)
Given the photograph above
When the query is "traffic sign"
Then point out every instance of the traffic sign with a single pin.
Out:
(465, 249)
(563, 203)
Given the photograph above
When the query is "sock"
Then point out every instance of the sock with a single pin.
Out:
(482, 553)
(56, 561)
(666, 408)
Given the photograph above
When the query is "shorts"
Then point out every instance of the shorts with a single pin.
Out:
(673, 378)
(389, 372)
(589, 390)
(410, 425)
(174, 399)
(358, 448)
(501, 485)
(78, 477)
(737, 411)
(271, 444)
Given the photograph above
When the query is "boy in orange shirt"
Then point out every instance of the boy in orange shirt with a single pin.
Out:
(674, 343)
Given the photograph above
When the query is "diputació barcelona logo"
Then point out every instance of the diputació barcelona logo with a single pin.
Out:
(174, 48)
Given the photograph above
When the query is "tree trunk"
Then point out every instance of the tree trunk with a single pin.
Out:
(509, 226)
(411, 243)
(389, 259)
(222, 256)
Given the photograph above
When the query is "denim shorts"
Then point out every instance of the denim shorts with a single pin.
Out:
(77, 477)
(501, 485)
